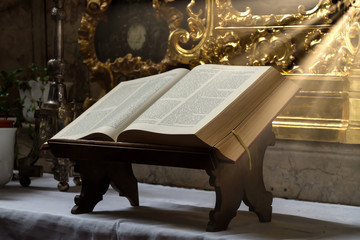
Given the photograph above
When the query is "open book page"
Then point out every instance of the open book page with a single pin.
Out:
(230, 147)
(117, 109)
(200, 96)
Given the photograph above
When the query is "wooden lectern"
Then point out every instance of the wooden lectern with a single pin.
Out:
(104, 163)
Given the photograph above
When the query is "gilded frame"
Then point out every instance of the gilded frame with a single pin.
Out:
(221, 34)
(227, 36)
(109, 73)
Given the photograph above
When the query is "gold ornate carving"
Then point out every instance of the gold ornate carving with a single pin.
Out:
(312, 39)
(185, 46)
(97, 7)
(333, 52)
(108, 73)
(290, 34)
(272, 47)
(218, 33)
(229, 16)
(173, 16)
(219, 50)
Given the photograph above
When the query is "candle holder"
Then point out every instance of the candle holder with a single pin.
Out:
(52, 115)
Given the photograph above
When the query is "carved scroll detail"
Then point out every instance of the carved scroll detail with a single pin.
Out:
(320, 14)
(220, 49)
(338, 49)
(218, 33)
(185, 46)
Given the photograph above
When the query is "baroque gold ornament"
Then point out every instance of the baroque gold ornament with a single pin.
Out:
(109, 72)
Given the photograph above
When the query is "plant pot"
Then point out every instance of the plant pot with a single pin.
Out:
(6, 123)
(7, 142)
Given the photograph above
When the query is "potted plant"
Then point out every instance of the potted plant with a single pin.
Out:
(32, 86)
(20, 92)
(9, 107)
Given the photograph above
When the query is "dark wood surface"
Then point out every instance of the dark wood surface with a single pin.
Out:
(103, 163)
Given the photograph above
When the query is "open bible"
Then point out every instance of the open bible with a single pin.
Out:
(209, 106)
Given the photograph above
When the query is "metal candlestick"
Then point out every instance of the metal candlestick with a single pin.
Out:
(52, 115)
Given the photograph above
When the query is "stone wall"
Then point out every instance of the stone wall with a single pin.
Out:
(16, 42)
(311, 171)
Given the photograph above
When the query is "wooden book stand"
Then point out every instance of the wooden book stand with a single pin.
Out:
(104, 163)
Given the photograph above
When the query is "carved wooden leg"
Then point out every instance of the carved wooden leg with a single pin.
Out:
(236, 182)
(259, 200)
(229, 194)
(94, 185)
(256, 197)
(95, 182)
(124, 181)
